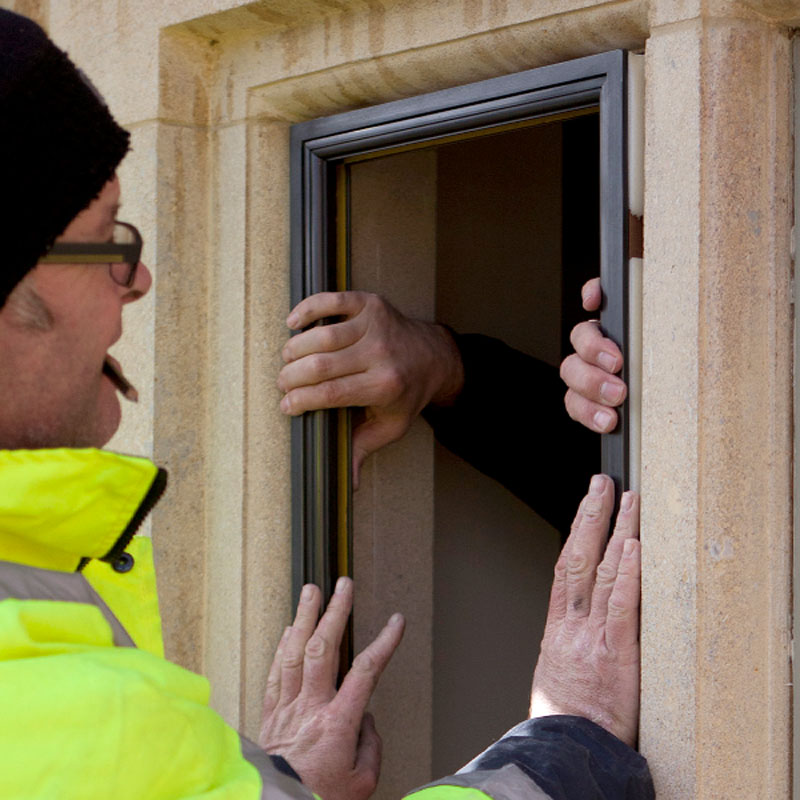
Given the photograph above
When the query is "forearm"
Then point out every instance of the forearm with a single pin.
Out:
(509, 422)
(561, 758)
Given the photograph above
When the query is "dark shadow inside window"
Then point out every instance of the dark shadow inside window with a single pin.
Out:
(508, 224)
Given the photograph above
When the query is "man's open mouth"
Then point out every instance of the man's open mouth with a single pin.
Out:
(112, 370)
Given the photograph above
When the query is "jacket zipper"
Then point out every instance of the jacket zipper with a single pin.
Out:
(153, 495)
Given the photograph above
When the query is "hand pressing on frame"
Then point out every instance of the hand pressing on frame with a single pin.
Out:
(326, 734)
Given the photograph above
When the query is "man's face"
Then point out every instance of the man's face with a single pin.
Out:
(53, 390)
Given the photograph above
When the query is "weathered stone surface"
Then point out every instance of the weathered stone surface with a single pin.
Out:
(717, 423)
(209, 89)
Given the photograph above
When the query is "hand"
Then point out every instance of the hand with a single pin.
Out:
(589, 662)
(377, 358)
(326, 735)
(590, 372)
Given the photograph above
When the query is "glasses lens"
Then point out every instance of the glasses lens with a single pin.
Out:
(124, 273)
(123, 234)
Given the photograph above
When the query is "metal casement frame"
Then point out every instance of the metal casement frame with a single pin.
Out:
(796, 423)
(318, 145)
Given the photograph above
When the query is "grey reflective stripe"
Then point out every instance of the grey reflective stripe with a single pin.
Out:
(32, 583)
(274, 784)
(507, 783)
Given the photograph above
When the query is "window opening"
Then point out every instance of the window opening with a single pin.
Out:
(477, 153)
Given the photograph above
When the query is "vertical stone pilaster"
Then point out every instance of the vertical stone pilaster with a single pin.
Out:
(225, 469)
(181, 392)
(717, 423)
(267, 548)
(669, 411)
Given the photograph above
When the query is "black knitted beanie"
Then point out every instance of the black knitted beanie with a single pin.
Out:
(59, 145)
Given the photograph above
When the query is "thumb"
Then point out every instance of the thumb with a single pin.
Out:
(369, 750)
(370, 436)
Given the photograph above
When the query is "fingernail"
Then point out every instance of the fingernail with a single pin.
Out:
(292, 320)
(603, 421)
(607, 361)
(287, 632)
(627, 502)
(628, 548)
(396, 619)
(341, 585)
(612, 392)
(585, 295)
(307, 593)
(597, 485)
(285, 405)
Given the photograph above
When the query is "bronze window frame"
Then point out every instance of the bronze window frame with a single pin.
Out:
(321, 529)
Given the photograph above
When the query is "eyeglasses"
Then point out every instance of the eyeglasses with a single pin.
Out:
(122, 253)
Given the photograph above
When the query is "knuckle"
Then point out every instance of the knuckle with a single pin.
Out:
(339, 301)
(376, 301)
(570, 404)
(329, 337)
(381, 351)
(593, 508)
(392, 381)
(334, 722)
(373, 304)
(586, 338)
(290, 404)
(286, 379)
(317, 647)
(577, 333)
(618, 610)
(293, 659)
(577, 565)
(319, 365)
(331, 394)
(364, 664)
(606, 574)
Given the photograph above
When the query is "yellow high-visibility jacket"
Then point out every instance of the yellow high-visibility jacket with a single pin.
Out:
(85, 714)
(91, 710)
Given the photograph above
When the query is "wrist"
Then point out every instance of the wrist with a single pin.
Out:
(448, 371)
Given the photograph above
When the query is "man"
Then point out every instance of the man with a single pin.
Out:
(490, 404)
(90, 707)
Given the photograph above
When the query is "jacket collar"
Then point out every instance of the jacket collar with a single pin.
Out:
(61, 507)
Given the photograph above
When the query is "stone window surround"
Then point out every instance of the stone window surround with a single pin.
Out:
(716, 476)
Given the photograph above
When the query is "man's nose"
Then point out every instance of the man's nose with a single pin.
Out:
(141, 284)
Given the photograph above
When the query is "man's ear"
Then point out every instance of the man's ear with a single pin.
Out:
(25, 308)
